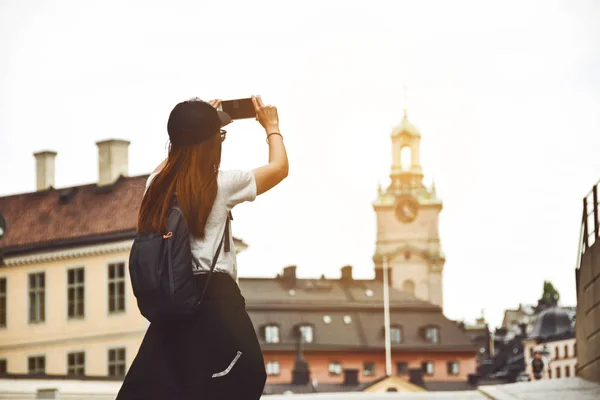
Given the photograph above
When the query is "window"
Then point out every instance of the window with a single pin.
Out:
(566, 351)
(567, 371)
(549, 373)
(116, 287)
(76, 363)
(272, 334)
(273, 368)
(557, 372)
(116, 362)
(409, 287)
(335, 368)
(3, 366)
(307, 333)
(395, 334)
(369, 368)
(75, 292)
(37, 297)
(2, 302)
(427, 367)
(36, 365)
(432, 334)
(453, 368)
(557, 353)
(405, 158)
(401, 367)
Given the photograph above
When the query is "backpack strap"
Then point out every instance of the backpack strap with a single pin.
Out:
(215, 259)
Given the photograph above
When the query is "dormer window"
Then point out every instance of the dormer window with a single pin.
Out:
(271, 334)
(432, 334)
(307, 333)
(396, 334)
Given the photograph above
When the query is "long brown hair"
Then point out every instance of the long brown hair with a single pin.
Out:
(191, 173)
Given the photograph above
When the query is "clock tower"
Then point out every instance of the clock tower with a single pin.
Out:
(407, 222)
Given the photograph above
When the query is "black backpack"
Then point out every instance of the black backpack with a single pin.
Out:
(160, 266)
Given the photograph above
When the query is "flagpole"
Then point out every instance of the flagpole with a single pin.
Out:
(386, 317)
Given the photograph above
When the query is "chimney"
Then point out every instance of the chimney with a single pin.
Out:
(289, 275)
(44, 170)
(347, 273)
(113, 160)
(350, 377)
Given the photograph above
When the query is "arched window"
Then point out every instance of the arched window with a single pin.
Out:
(405, 158)
(409, 286)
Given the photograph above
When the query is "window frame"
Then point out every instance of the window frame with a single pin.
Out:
(450, 367)
(401, 333)
(438, 334)
(74, 286)
(118, 282)
(373, 371)
(3, 302)
(76, 365)
(404, 363)
(312, 332)
(424, 368)
(116, 363)
(35, 358)
(269, 327)
(39, 296)
(333, 373)
(273, 362)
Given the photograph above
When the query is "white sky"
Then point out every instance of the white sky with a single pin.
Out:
(506, 94)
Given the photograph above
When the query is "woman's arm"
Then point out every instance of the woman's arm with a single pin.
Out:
(270, 175)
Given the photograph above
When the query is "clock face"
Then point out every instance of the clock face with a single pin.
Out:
(407, 208)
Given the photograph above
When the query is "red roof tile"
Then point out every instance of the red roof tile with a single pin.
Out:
(67, 215)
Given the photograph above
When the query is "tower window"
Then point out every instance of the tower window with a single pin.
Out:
(405, 158)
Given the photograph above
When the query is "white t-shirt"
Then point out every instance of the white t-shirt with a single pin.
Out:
(234, 187)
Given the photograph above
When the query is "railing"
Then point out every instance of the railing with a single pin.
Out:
(589, 233)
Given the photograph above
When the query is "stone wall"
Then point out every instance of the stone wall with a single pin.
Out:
(588, 314)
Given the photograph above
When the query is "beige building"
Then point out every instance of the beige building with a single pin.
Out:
(66, 304)
(412, 245)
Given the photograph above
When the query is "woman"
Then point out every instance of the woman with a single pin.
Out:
(216, 354)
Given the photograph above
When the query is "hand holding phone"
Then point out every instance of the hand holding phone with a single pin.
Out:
(239, 108)
(266, 115)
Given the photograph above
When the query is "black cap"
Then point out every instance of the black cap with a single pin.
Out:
(194, 121)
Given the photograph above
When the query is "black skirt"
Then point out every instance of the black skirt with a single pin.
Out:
(215, 355)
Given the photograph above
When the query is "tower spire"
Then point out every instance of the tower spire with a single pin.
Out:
(405, 102)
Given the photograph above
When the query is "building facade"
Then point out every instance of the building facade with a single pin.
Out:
(413, 248)
(66, 303)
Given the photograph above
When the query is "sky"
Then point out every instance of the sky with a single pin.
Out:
(506, 95)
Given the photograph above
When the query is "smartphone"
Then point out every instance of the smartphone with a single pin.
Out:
(239, 108)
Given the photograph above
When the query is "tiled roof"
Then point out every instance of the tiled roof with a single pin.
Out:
(355, 320)
(79, 215)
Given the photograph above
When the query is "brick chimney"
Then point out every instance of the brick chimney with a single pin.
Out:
(113, 160)
(289, 275)
(347, 273)
(44, 170)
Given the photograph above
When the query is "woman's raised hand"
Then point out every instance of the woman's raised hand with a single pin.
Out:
(266, 115)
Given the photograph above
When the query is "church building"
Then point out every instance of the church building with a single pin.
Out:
(407, 222)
